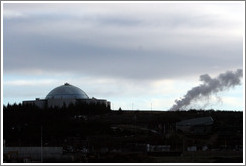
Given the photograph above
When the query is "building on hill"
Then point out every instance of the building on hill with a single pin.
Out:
(65, 95)
(196, 125)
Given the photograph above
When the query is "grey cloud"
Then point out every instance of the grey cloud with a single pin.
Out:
(59, 55)
(117, 45)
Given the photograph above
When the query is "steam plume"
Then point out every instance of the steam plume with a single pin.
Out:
(209, 86)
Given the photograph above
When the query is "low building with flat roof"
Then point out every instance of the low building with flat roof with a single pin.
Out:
(196, 125)
(65, 95)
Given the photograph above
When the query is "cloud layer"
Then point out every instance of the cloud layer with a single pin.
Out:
(137, 41)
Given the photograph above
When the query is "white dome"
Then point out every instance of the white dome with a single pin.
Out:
(67, 91)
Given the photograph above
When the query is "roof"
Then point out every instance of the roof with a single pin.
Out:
(67, 91)
(196, 121)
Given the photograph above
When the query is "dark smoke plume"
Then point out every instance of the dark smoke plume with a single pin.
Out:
(209, 86)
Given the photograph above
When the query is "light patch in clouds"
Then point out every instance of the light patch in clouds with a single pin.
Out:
(10, 14)
(28, 82)
(232, 103)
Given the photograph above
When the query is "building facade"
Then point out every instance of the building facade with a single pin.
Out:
(65, 95)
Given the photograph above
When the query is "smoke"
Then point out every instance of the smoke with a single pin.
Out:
(209, 86)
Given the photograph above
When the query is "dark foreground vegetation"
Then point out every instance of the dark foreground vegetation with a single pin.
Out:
(98, 135)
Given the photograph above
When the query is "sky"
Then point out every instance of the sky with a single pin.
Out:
(140, 56)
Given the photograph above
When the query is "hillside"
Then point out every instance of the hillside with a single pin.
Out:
(125, 136)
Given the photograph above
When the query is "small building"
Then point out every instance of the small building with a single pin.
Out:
(28, 154)
(65, 95)
(191, 148)
(158, 148)
(196, 125)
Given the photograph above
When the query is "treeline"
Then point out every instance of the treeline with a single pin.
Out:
(79, 107)
(22, 123)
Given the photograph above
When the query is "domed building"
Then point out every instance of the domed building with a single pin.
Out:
(67, 91)
(64, 95)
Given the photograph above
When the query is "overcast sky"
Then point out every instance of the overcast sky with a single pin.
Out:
(136, 55)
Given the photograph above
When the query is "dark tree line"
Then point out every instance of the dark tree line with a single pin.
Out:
(23, 124)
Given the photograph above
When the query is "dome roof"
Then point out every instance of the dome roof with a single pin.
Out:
(67, 91)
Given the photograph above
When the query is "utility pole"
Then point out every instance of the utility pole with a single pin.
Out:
(41, 148)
